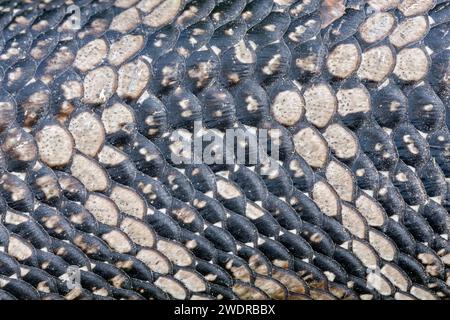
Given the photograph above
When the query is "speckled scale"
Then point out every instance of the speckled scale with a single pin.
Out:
(70, 253)
(426, 111)
(390, 197)
(56, 224)
(202, 67)
(66, 27)
(228, 35)
(20, 289)
(229, 261)
(270, 29)
(237, 66)
(221, 238)
(226, 11)
(151, 117)
(17, 76)
(276, 178)
(400, 235)
(319, 240)
(137, 270)
(44, 184)
(8, 112)
(273, 62)
(32, 102)
(6, 17)
(184, 107)
(84, 241)
(201, 177)
(411, 146)
(344, 27)
(72, 188)
(218, 107)
(255, 11)
(303, 7)
(389, 105)
(63, 102)
(354, 103)
(306, 208)
(9, 266)
(28, 229)
(409, 185)
(301, 173)
(19, 147)
(308, 59)
(48, 20)
(252, 102)
(146, 156)
(193, 12)
(44, 44)
(418, 226)
(161, 42)
(21, 21)
(378, 146)
(275, 251)
(159, 196)
(57, 62)
(194, 37)
(222, 277)
(365, 173)
(329, 265)
(15, 49)
(279, 144)
(122, 171)
(257, 261)
(204, 249)
(169, 71)
(210, 209)
(302, 29)
(178, 184)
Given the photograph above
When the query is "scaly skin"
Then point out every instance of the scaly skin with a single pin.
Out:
(355, 94)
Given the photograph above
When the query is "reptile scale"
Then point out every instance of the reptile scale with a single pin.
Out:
(354, 95)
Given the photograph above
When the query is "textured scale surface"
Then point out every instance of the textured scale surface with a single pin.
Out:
(355, 93)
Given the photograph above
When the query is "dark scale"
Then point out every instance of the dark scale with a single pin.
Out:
(270, 29)
(409, 185)
(389, 105)
(100, 108)
(252, 102)
(202, 68)
(255, 12)
(411, 146)
(227, 36)
(302, 29)
(201, 32)
(308, 59)
(426, 111)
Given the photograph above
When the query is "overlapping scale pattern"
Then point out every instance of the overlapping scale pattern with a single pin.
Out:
(355, 94)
